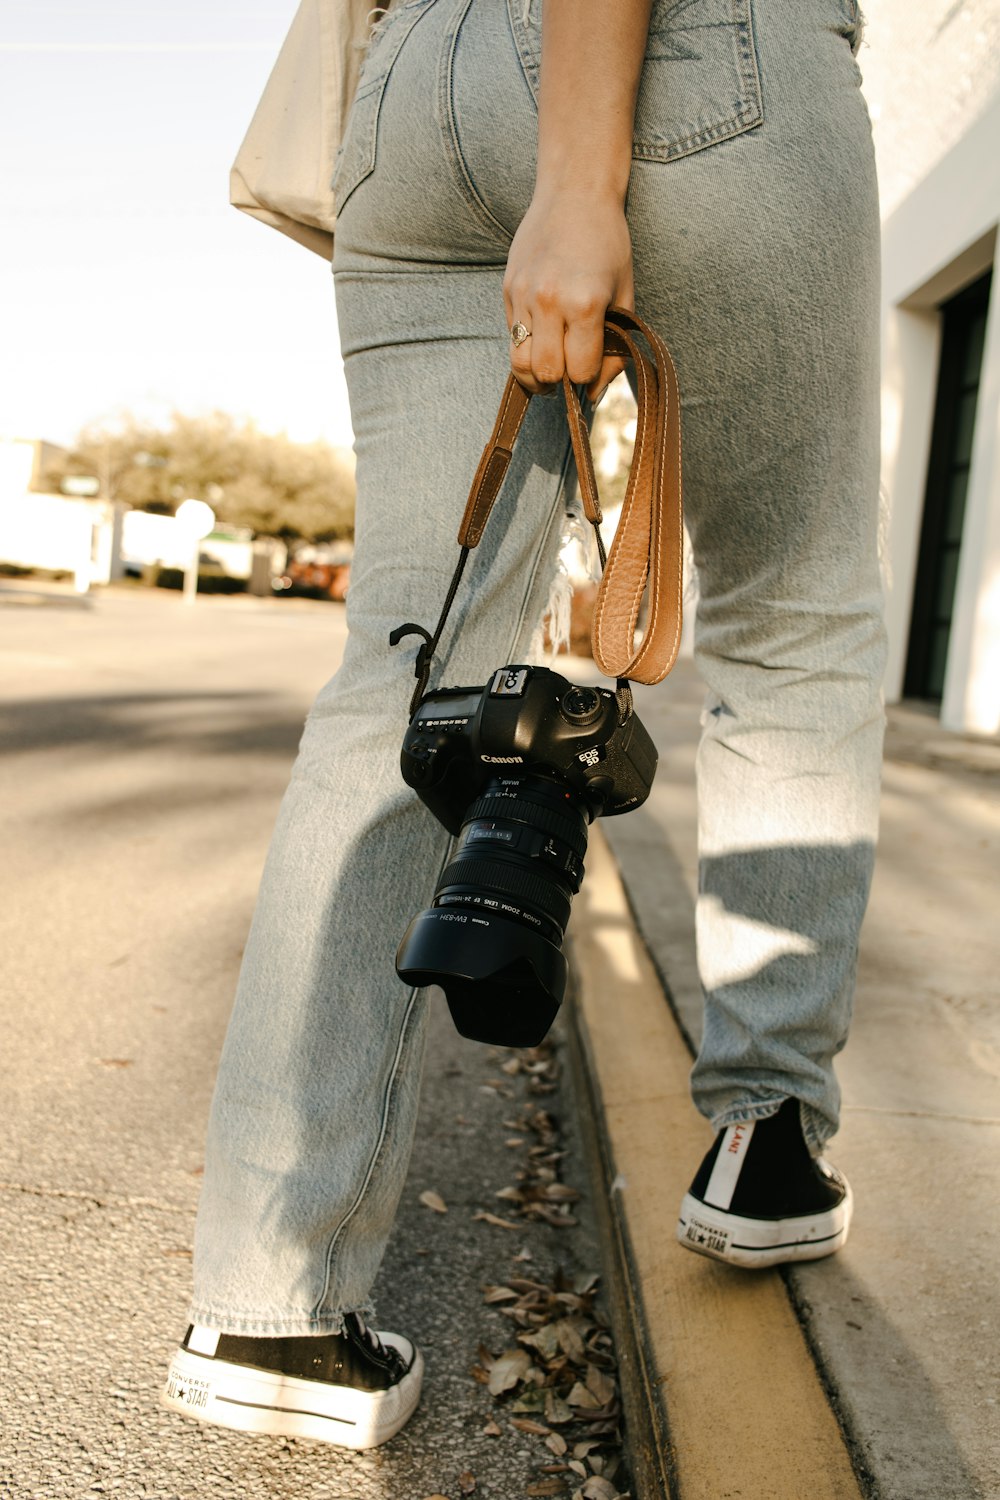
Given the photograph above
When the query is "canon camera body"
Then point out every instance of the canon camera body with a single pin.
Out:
(517, 769)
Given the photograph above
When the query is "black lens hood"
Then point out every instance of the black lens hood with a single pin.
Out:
(503, 982)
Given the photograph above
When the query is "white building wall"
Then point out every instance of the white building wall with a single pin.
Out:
(930, 67)
(932, 79)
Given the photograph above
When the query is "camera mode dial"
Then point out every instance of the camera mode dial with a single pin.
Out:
(581, 705)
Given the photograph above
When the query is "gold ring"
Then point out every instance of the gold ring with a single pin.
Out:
(518, 334)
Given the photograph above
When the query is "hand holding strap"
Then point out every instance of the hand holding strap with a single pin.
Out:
(648, 547)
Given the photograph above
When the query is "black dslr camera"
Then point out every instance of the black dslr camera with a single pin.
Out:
(518, 769)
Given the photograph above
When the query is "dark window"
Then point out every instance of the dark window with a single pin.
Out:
(963, 337)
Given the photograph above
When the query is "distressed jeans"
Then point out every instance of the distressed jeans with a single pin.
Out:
(753, 213)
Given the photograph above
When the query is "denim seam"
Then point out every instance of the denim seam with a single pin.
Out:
(404, 1029)
(376, 1154)
(373, 89)
(450, 127)
(517, 24)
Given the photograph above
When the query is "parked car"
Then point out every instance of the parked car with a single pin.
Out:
(313, 580)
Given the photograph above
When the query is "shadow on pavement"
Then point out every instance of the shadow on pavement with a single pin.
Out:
(894, 1420)
(192, 723)
(885, 1388)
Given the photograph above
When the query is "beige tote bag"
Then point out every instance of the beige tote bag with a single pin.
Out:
(284, 167)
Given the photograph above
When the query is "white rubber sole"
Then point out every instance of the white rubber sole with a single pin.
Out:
(249, 1400)
(762, 1242)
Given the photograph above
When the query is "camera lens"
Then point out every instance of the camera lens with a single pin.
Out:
(492, 937)
(520, 853)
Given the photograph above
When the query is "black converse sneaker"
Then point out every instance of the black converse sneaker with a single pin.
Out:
(355, 1388)
(759, 1198)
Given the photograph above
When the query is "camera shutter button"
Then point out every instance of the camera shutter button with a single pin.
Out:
(581, 705)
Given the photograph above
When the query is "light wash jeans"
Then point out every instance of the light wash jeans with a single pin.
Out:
(753, 213)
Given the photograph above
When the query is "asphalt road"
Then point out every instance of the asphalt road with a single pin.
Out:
(145, 747)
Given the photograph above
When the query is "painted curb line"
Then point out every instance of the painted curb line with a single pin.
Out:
(722, 1395)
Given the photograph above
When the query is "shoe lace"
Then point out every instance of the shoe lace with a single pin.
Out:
(369, 1335)
(385, 1353)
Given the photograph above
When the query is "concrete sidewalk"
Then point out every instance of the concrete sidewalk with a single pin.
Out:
(735, 1375)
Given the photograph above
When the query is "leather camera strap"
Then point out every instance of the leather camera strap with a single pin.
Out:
(648, 548)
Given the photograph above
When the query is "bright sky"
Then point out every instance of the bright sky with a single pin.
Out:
(126, 279)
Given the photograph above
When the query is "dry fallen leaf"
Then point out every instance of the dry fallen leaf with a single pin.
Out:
(492, 1430)
(544, 1339)
(558, 1218)
(597, 1488)
(556, 1410)
(558, 1192)
(532, 1400)
(498, 1223)
(571, 1344)
(581, 1450)
(433, 1200)
(579, 1397)
(511, 1368)
(467, 1482)
(600, 1386)
(567, 1380)
(493, 1294)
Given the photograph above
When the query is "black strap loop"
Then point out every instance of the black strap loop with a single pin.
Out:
(425, 654)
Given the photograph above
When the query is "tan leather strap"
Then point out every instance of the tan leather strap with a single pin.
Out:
(648, 547)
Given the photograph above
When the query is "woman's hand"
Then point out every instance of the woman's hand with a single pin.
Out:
(570, 260)
(571, 257)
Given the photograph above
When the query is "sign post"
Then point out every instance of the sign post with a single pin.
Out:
(195, 520)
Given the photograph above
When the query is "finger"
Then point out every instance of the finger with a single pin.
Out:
(612, 365)
(584, 346)
(545, 348)
(539, 361)
(520, 359)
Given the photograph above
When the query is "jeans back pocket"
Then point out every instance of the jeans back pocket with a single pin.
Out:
(699, 82)
(356, 156)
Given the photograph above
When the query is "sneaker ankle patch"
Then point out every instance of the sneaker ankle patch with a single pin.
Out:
(728, 1165)
(203, 1341)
